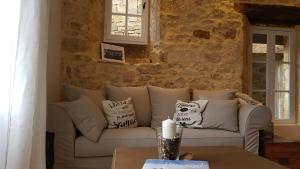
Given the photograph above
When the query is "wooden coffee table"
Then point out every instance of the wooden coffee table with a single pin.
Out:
(217, 157)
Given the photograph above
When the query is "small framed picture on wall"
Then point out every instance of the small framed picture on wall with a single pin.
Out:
(113, 53)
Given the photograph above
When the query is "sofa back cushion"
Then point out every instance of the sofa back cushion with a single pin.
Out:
(163, 102)
(140, 98)
(87, 117)
(213, 95)
(221, 114)
(72, 93)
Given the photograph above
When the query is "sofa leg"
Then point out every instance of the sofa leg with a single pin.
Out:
(49, 150)
(261, 143)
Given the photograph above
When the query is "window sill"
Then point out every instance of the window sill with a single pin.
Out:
(287, 125)
(118, 41)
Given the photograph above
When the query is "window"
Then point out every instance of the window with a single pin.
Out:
(126, 21)
(272, 70)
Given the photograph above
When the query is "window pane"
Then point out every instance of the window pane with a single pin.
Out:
(118, 25)
(282, 48)
(119, 6)
(134, 26)
(259, 71)
(259, 57)
(282, 105)
(259, 43)
(282, 76)
(260, 96)
(259, 68)
(135, 7)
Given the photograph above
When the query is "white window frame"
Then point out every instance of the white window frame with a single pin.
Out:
(270, 66)
(108, 37)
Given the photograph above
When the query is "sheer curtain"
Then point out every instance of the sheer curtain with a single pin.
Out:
(23, 55)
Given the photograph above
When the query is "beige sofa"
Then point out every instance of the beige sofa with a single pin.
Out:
(74, 152)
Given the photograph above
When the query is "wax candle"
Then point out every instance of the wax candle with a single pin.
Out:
(168, 129)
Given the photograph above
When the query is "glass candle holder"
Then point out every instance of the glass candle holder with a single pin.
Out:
(169, 148)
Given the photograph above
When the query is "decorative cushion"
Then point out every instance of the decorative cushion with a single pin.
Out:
(73, 93)
(190, 114)
(163, 102)
(246, 99)
(87, 117)
(120, 114)
(213, 95)
(140, 97)
(221, 114)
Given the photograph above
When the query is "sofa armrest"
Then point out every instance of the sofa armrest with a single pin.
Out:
(252, 119)
(59, 122)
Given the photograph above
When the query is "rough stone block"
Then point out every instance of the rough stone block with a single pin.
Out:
(201, 34)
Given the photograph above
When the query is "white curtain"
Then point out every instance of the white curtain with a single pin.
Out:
(23, 55)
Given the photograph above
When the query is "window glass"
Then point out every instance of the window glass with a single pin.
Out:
(282, 48)
(259, 73)
(134, 26)
(260, 96)
(259, 67)
(282, 106)
(282, 76)
(135, 7)
(118, 25)
(119, 6)
(259, 43)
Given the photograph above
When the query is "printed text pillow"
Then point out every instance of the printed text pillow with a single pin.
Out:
(190, 114)
(120, 114)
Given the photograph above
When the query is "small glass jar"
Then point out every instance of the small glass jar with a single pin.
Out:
(169, 149)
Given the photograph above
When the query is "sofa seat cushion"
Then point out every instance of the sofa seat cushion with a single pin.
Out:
(111, 138)
(145, 137)
(211, 137)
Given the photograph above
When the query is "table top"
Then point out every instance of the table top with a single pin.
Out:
(217, 157)
(279, 139)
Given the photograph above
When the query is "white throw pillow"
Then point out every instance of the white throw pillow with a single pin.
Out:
(87, 117)
(190, 114)
(120, 114)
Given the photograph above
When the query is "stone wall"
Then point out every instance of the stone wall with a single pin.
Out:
(273, 2)
(196, 43)
(192, 43)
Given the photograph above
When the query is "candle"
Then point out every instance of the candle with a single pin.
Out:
(168, 129)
